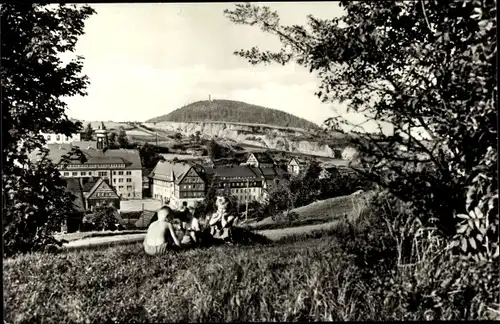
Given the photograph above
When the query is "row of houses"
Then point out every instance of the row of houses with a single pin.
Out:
(113, 175)
(179, 182)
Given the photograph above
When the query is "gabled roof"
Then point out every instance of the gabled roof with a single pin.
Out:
(299, 161)
(99, 183)
(262, 157)
(169, 171)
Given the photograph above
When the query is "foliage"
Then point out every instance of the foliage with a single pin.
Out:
(280, 198)
(103, 218)
(398, 257)
(235, 112)
(424, 67)
(338, 183)
(122, 138)
(150, 156)
(34, 80)
(306, 187)
(215, 150)
(112, 140)
(88, 133)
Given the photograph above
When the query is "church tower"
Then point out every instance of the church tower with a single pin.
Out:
(102, 138)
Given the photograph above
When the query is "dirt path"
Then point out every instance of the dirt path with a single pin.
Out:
(273, 234)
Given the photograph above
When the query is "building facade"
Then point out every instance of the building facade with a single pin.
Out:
(174, 183)
(295, 166)
(260, 160)
(121, 167)
(60, 138)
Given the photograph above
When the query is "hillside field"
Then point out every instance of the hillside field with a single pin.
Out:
(301, 280)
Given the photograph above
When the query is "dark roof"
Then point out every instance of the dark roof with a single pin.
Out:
(131, 158)
(263, 157)
(75, 187)
(236, 172)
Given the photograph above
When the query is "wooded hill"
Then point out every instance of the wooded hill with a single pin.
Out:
(236, 112)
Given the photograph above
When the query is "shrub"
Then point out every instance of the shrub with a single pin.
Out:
(105, 217)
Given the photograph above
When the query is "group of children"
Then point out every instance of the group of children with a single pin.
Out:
(180, 229)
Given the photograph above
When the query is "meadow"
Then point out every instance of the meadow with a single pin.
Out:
(298, 280)
(313, 277)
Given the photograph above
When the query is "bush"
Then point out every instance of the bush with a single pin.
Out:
(411, 272)
(105, 217)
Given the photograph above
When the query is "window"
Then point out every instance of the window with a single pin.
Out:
(48, 137)
(129, 187)
(83, 173)
(66, 174)
(74, 174)
(114, 180)
(128, 195)
(120, 172)
(120, 180)
(67, 138)
(129, 180)
(102, 174)
(129, 172)
(120, 187)
(114, 172)
(58, 137)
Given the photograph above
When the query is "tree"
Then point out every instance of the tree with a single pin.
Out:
(150, 156)
(214, 150)
(425, 67)
(105, 217)
(122, 138)
(88, 133)
(306, 187)
(33, 82)
(280, 199)
(112, 141)
(198, 136)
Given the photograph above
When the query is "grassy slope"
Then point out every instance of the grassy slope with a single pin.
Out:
(304, 280)
(234, 111)
(318, 212)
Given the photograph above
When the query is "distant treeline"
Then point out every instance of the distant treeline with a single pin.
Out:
(236, 112)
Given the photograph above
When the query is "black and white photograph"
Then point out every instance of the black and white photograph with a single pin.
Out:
(196, 162)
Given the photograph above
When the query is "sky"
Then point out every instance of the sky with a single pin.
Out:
(144, 60)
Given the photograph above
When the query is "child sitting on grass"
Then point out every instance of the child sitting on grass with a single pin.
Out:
(191, 228)
(161, 234)
(221, 222)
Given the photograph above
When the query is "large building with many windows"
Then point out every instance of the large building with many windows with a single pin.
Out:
(177, 182)
(243, 182)
(121, 168)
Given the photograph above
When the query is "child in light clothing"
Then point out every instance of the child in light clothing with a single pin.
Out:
(221, 222)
